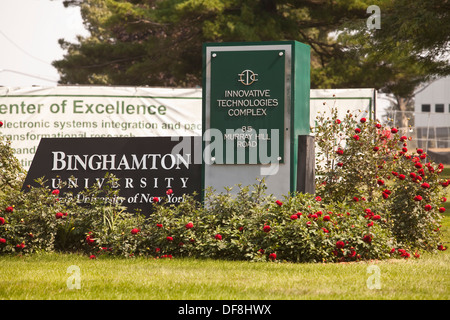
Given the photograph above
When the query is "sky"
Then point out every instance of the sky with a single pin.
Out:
(29, 33)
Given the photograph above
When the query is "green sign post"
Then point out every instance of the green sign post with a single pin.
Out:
(255, 108)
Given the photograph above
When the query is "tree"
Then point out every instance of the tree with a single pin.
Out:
(408, 50)
(158, 43)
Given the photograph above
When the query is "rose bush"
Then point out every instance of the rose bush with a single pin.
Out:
(375, 199)
(379, 170)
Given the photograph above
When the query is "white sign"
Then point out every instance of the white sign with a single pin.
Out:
(29, 114)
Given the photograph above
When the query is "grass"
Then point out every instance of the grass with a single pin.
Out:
(44, 277)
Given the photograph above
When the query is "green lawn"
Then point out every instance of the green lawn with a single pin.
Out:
(44, 277)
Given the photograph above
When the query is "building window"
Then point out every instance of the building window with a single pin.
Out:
(426, 108)
(439, 107)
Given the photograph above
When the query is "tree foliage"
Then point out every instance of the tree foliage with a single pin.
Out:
(158, 43)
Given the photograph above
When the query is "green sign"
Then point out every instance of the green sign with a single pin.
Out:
(247, 100)
(256, 115)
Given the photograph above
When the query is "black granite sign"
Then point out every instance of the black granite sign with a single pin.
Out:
(148, 169)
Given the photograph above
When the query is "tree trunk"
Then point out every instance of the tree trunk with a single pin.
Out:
(403, 105)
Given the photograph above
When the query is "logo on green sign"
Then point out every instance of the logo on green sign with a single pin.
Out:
(247, 77)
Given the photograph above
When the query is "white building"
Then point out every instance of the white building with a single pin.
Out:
(432, 115)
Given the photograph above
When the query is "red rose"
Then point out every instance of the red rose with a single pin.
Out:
(385, 195)
(325, 230)
(159, 225)
(418, 165)
(340, 164)
(425, 185)
(363, 120)
(190, 225)
(266, 228)
(2, 240)
(419, 151)
(135, 231)
(428, 207)
(404, 149)
(444, 199)
(403, 138)
(340, 244)
(2, 220)
(169, 238)
(155, 199)
(9, 209)
(418, 198)
(55, 192)
(20, 246)
(326, 218)
(90, 240)
(272, 256)
(278, 202)
(394, 130)
(92, 257)
(59, 215)
(358, 130)
(376, 148)
(337, 121)
(378, 125)
(356, 137)
(340, 151)
(367, 238)
(376, 217)
(441, 209)
(170, 191)
(294, 217)
(355, 199)
(401, 176)
(380, 182)
(318, 198)
(352, 253)
(218, 236)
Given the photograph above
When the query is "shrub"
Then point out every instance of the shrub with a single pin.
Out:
(375, 199)
(362, 160)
